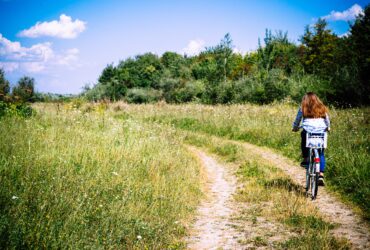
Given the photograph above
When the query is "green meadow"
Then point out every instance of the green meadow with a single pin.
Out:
(97, 175)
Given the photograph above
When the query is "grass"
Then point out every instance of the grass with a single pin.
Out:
(120, 176)
(82, 179)
(348, 164)
(270, 197)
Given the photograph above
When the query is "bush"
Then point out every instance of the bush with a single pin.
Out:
(169, 85)
(143, 95)
(15, 109)
(276, 86)
(191, 91)
(226, 92)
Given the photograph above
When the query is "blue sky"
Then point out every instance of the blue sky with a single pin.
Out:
(65, 44)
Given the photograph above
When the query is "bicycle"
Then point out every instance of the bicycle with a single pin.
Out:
(315, 142)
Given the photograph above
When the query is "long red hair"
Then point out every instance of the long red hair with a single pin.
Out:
(312, 106)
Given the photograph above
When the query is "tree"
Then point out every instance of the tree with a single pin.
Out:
(360, 45)
(111, 87)
(4, 85)
(143, 71)
(278, 52)
(222, 54)
(24, 90)
(320, 48)
(109, 72)
(173, 62)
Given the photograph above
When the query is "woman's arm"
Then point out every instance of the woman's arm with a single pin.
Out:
(297, 120)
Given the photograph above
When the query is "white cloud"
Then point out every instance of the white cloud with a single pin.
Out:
(237, 50)
(9, 66)
(345, 34)
(194, 47)
(36, 58)
(68, 57)
(347, 15)
(62, 28)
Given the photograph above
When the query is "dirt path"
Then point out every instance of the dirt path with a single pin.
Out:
(350, 225)
(213, 228)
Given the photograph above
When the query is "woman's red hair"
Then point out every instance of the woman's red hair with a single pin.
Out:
(312, 106)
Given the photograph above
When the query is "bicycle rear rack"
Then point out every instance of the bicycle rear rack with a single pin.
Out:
(316, 140)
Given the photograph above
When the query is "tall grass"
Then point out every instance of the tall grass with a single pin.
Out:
(348, 162)
(277, 210)
(73, 179)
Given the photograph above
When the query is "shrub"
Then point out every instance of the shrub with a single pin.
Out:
(143, 95)
(15, 109)
(191, 91)
(276, 86)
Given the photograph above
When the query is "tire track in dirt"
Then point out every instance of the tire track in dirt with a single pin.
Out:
(213, 228)
(350, 225)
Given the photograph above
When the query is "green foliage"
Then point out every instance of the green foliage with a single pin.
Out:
(52, 97)
(109, 86)
(24, 90)
(189, 92)
(336, 68)
(16, 105)
(222, 54)
(143, 71)
(278, 53)
(319, 49)
(143, 95)
(4, 85)
(107, 75)
(359, 41)
(176, 64)
(276, 86)
(15, 109)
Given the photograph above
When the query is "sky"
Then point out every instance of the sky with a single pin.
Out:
(66, 44)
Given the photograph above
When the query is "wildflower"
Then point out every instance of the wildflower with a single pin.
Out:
(14, 197)
(115, 173)
(139, 237)
(100, 205)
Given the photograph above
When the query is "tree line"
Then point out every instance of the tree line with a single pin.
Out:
(337, 68)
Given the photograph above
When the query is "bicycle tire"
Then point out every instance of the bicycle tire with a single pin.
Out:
(313, 177)
(308, 179)
(315, 186)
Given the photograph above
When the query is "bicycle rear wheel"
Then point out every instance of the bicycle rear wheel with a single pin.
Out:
(308, 178)
(313, 174)
(314, 184)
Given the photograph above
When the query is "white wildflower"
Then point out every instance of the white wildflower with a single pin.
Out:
(139, 237)
(14, 197)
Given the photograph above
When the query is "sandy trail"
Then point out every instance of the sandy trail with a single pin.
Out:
(350, 225)
(212, 229)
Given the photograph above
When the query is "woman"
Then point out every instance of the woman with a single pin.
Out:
(315, 120)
